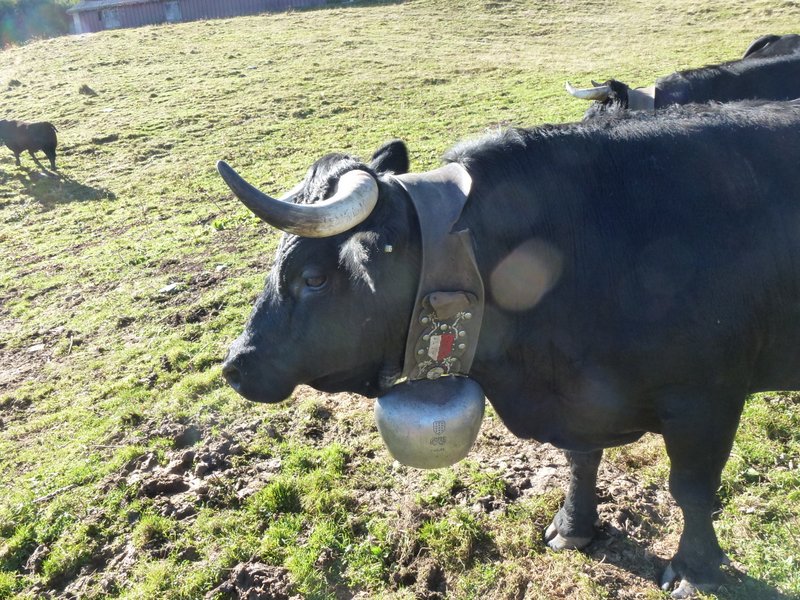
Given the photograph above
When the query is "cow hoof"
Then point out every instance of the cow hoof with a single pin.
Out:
(685, 589)
(556, 541)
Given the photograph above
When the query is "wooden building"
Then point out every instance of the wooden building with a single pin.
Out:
(97, 15)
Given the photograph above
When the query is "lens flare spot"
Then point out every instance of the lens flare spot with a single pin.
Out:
(523, 277)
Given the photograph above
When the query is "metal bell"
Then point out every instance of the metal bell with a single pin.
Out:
(430, 424)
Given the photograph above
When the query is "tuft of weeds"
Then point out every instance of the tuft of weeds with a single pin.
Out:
(9, 583)
(518, 532)
(480, 482)
(454, 539)
(18, 545)
(368, 555)
(440, 487)
(153, 531)
(74, 548)
(156, 579)
(281, 537)
(282, 496)
(478, 582)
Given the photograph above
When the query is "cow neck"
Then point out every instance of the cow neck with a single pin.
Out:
(448, 310)
(642, 98)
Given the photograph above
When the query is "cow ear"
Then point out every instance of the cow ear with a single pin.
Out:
(618, 87)
(392, 157)
(355, 254)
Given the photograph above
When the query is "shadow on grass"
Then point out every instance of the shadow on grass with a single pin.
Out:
(632, 556)
(53, 188)
(740, 586)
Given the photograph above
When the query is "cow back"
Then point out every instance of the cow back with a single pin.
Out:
(771, 78)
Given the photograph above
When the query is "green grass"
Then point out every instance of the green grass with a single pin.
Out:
(97, 353)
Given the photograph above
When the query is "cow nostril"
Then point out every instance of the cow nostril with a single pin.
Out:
(233, 376)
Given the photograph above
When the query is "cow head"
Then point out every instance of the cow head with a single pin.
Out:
(335, 309)
(608, 97)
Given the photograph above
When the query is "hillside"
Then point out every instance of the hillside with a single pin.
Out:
(128, 469)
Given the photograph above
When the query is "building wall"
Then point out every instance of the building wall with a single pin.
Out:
(87, 22)
(135, 15)
(214, 9)
(158, 11)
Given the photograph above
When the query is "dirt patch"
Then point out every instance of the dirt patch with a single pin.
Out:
(30, 354)
(256, 581)
(199, 471)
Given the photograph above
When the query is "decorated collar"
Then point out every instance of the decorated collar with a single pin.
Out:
(446, 321)
(642, 98)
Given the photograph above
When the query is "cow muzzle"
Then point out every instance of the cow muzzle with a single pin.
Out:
(241, 371)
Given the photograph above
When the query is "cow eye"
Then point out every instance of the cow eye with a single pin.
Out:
(316, 281)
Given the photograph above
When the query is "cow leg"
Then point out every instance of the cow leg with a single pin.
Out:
(698, 434)
(16, 157)
(574, 525)
(51, 155)
(36, 160)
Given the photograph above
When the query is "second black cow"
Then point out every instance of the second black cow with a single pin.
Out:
(33, 137)
(768, 78)
(773, 45)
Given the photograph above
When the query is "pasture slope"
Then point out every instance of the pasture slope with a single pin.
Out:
(127, 468)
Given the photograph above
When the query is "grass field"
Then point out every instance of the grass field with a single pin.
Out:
(128, 469)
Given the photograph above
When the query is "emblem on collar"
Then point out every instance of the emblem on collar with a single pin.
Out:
(445, 337)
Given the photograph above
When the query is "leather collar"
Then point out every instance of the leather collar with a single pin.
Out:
(642, 98)
(448, 311)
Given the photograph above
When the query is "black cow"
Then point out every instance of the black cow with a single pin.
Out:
(771, 78)
(20, 136)
(642, 274)
(773, 45)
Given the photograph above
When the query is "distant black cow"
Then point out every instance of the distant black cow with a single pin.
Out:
(771, 78)
(20, 136)
(773, 45)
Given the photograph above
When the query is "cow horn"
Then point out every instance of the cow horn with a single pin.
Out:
(599, 92)
(355, 197)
